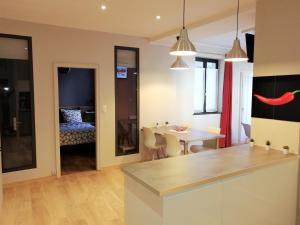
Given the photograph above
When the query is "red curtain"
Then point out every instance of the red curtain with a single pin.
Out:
(226, 107)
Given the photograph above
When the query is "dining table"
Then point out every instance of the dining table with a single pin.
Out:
(187, 136)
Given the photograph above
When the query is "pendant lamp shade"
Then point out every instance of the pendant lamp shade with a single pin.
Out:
(179, 64)
(183, 46)
(236, 54)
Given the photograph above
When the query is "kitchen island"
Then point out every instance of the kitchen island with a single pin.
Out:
(234, 186)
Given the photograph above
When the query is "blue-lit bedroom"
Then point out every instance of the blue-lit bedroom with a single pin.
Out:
(77, 119)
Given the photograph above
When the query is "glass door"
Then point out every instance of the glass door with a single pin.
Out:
(126, 100)
(16, 103)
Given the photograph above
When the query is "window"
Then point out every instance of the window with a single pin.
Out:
(206, 86)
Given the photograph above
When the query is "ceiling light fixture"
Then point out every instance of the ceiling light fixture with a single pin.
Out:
(179, 64)
(183, 46)
(158, 17)
(236, 54)
(103, 7)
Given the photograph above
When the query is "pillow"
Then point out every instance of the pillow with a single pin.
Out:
(71, 115)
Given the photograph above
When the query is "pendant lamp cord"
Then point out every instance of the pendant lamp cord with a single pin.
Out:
(237, 19)
(183, 19)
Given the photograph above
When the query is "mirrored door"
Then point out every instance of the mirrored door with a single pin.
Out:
(16, 103)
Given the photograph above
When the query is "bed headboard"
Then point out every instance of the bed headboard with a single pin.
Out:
(86, 117)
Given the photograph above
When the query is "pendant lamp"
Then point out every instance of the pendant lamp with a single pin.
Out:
(179, 64)
(183, 46)
(236, 54)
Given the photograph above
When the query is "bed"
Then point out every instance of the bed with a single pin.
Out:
(76, 133)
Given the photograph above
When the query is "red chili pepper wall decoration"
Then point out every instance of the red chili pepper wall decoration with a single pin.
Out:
(284, 99)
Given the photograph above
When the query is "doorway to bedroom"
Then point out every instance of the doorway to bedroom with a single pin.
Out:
(77, 119)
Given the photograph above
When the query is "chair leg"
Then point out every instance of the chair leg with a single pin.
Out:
(153, 153)
(157, 152)
(164, 153)
(147, 154)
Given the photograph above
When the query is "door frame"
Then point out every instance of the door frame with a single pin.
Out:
(95, 67)
(242, 73)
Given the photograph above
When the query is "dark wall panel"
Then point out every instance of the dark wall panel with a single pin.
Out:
(274, 87)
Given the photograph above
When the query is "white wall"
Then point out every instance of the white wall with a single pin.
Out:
(277, 49)
(55, 44)
(164, 94)
(277, 52)
(185, 96)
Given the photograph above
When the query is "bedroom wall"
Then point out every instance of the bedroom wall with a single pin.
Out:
(277, 52)
(76, 87)
(55, 44)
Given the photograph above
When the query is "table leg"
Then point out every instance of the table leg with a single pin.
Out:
(186, 148)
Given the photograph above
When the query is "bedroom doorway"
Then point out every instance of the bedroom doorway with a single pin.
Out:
(77, 148)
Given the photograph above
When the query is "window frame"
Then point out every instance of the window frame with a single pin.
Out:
(205, 61)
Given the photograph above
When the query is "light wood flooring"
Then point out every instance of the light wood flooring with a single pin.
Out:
(87, 198)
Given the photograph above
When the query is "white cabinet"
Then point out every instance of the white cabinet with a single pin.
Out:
(263, 197)
(195, 207)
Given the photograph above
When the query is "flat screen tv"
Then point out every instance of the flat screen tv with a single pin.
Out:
(250, 46)
(121, 72)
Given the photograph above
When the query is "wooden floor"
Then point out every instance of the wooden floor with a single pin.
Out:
(88, 198)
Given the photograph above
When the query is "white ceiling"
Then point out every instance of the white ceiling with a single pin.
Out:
(211, 22)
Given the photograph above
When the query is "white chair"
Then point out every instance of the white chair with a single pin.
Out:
(151, 144)
(173, 147)
(247, 129)
(207, 144)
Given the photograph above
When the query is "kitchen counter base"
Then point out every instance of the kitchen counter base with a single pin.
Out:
(262, 197)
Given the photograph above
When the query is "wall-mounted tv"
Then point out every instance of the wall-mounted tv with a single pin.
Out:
(276, 97)
(250, 46)
(121, 72)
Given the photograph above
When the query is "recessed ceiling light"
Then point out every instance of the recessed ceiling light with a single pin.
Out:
(158, 17)
(103, 7)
